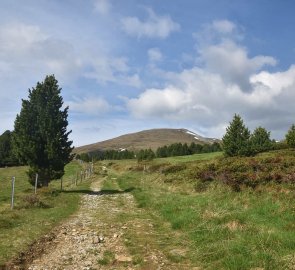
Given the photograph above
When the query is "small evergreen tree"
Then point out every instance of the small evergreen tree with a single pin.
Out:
(260, 140)
(236, 139)
(215, 147)
(290, 137)
(40, 132)
(7, 157)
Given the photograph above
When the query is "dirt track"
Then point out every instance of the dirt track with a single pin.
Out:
(87, 241)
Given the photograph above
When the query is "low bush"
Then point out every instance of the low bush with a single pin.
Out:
(239, 172)
(33, 201)
(174, 168)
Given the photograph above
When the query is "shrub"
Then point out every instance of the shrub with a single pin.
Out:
(173, 168)
(249, 171)
(33, 200)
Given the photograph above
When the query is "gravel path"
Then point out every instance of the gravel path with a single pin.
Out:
(86, 241)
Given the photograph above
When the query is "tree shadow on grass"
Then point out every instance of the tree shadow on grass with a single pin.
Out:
(101, 192)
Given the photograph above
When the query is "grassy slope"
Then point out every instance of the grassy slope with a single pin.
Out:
(220, 228)
(25, 223)
(196, 157)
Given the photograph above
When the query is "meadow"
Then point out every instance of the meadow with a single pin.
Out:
(216, 226)
(197, 218)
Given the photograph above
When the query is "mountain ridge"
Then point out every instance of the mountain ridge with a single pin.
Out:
(152, 138)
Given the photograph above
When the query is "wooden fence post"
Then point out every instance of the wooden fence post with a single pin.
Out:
(36, 183)
(12, 192)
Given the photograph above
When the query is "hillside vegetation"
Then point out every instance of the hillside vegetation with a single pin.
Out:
(225, 213)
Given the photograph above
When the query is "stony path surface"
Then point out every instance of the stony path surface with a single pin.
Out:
(86, 241)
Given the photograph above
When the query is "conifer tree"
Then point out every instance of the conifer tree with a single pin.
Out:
(236, 139)
(260, 140)
(40, 132)
(7, 157)
(290, 136)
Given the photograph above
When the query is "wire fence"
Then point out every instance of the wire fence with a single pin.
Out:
(14, 183)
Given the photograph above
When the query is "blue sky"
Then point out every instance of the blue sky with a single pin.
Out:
(130, 65)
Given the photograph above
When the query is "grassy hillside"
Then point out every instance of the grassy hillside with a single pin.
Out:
(32, 215)
(215, 226)
(153, 139)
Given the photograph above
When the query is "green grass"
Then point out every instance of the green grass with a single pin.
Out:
(108, 258)
(33, 215)
(222, 229)
(196, 157)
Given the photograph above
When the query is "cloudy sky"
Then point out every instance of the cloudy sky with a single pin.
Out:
(130, 65)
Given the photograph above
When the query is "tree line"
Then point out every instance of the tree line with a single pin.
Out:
(179, 149)
(175, 149)
(239, 141)
(106, 155)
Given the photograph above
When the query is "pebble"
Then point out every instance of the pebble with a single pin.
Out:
(95, 240)
(87, 263)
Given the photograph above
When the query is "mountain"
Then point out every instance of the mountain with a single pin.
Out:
(152, 138)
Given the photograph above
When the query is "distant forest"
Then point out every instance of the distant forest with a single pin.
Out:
(175, 149)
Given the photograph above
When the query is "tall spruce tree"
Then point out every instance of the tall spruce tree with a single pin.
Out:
(236, 141)
(40, 132)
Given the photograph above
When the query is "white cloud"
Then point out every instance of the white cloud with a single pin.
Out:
(155, 102)
(183, 100)
(209, 101)
(113, 69)
(217, 32)
(223, 26)
(105, 68)
(26, 49)
(155, 26)
(92, 106)
(227, 81)
(132, 80)
(155, 55)
(231, 61)
(18, 38)
(102, 6)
